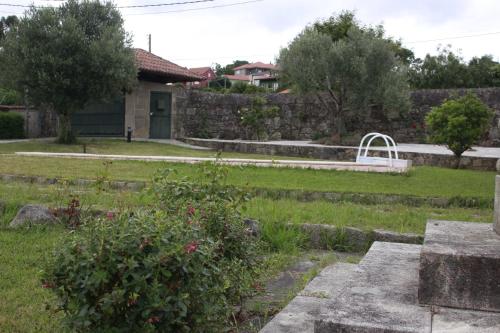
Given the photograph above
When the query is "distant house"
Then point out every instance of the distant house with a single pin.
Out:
(207, 75)
(149, 110)
(258, 74)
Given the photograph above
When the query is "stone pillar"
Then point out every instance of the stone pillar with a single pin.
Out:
(496, 222)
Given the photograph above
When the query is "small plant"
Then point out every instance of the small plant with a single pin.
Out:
(11, 125)
(459, 123)
(254, 117)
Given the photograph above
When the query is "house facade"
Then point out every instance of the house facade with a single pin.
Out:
(258, 74)
(207, 74)
(149, 110)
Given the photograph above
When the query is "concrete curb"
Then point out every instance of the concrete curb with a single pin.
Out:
(327, 237)
(306, 196)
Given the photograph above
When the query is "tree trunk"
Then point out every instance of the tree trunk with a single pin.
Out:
(65, 135)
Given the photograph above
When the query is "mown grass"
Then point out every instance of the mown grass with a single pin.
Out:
(121, 147)
(421, 181)
(23, 300)
(273, 213)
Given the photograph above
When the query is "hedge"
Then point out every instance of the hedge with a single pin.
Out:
(11, 125)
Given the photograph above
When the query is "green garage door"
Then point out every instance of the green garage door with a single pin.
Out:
(100, 119)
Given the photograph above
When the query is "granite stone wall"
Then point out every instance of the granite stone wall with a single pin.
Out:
(209, 115)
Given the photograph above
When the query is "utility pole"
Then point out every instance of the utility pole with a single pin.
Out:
(149, 39)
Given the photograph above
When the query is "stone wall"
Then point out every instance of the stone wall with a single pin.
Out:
(209, 115)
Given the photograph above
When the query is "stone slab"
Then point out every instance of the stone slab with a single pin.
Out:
(460, 266)
(299, 315)
(381, 297)
(446, 320)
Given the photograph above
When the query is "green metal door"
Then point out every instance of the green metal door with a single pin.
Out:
(160, 112)
(100, 119)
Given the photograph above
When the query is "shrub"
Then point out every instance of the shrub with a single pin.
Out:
(144, 273)
(216, 207)
(246, 88)
(177, 267)
(254, 118)
(9, 97)
(11, 125)
(459, 122)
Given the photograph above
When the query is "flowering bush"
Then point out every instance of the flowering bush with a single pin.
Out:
(213, 206)
(145, 273)
(176, 267)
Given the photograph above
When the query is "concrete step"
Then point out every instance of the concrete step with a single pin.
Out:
(460, 266)
(299, 315)
(381, 296)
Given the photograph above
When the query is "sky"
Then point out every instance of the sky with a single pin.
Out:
(193, 35)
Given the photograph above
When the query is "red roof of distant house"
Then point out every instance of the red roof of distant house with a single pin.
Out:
(200, 70)
(152, 64)
(239, 77)
(257, 65)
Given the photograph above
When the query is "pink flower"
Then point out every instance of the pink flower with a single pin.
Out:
(190, 210)
(191, 247)
(110, 215)
(153, 320)
(47, 285)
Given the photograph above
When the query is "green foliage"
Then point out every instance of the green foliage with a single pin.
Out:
(67, 56)
(6, 24)
(11, 125)
(246, 88)
(254, 118)
(338, 27)
(9, 97)
(449, 70)
(356, 72)
(229, 68)
(459, 122)
(209, 203)
(177, 266)
(144, 273)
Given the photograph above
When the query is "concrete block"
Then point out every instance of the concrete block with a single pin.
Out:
(460, 266)
(446, 320)
(382, 297)
(299, 315)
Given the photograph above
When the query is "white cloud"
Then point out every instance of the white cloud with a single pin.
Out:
(256, 31)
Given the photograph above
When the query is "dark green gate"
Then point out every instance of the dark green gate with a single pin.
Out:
(100, 119)
(160, 113)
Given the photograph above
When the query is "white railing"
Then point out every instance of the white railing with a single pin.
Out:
(363, 157)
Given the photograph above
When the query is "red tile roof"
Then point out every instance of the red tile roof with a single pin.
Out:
(257, 65)
(152, 64)
(239, 77)
(200, 70)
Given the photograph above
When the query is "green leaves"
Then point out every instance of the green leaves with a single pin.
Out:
(459, 122)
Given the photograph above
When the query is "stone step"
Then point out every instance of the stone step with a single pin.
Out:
(299, 315)
(460, 266)
(381, 296)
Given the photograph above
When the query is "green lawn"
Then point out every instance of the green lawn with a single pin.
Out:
(22, 301)
(421, 181)
(121, 147)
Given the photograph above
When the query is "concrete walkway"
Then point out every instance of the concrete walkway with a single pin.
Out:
(492, 152)
(328, 165)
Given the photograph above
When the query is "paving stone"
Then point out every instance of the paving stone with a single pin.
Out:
(381, 296)
(460, 266)
(299, 315)
(447, 320)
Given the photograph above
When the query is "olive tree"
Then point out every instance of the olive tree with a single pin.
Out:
(355, 72)
(65, 57)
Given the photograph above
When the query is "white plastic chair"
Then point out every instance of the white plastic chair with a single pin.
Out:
(365, 159)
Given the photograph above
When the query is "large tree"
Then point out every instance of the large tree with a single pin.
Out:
(355, 72)
(7, 23)
(65, 57)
